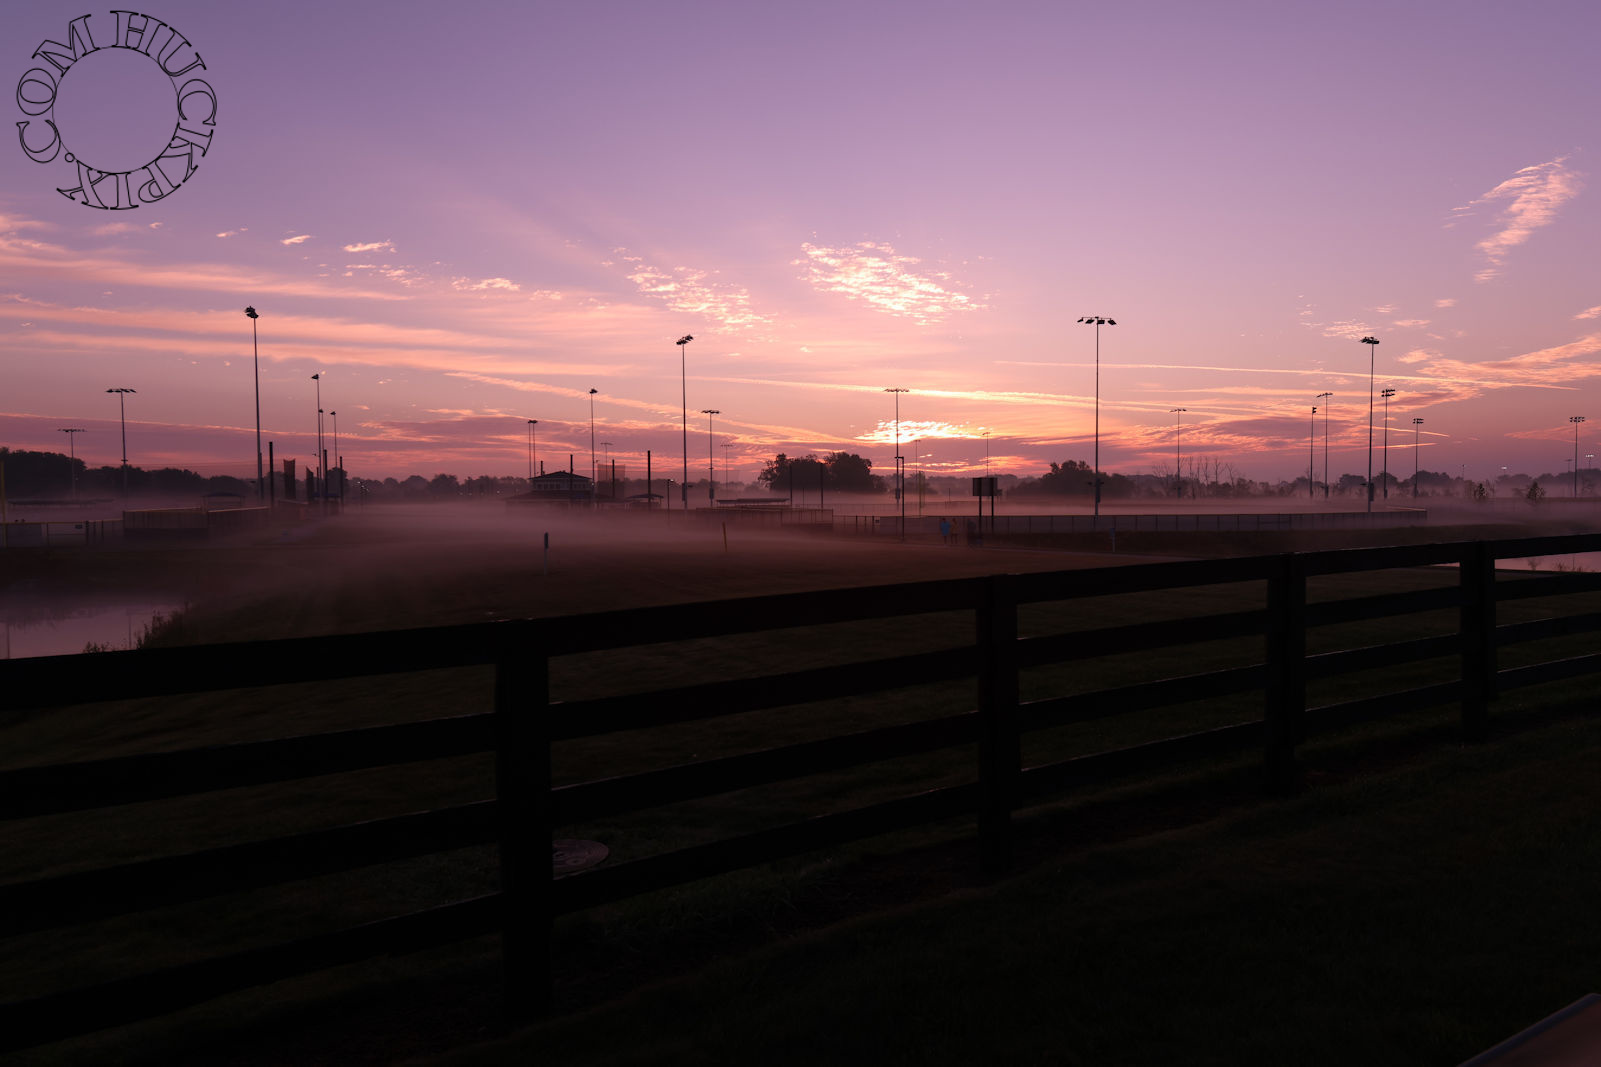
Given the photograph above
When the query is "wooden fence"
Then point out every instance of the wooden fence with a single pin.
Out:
(523, 725)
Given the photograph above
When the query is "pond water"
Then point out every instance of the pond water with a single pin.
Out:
(62, 628)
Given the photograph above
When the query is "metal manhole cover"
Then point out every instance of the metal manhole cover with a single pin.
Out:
(568, 856)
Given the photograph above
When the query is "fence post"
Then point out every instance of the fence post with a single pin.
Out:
(1286, 671)
(1477, 627)
(523, 812)
(1000, 747)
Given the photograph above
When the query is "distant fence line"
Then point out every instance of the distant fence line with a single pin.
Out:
(523, 725)
(58, 534)
(1107, 523)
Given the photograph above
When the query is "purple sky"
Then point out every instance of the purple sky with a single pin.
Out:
(466, 216)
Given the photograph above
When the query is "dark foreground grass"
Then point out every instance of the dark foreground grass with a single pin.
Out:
(1229, 944)
(1419, 915)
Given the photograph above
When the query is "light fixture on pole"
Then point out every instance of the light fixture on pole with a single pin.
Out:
(122, 408)
(683, 385)
(1415, 424)
(1178, 449)
(255, 358)
(322, 457)
(1311, 456)
(1373, 347)
(1386, 394)
(592, 497)
(1576, 419)
(1325, 397)
(339, 462)
(900, 467)
(711, 452)
(531, 424)
(72, 458)
(1097, 321)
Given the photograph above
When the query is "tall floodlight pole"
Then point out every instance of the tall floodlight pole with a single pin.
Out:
(1576, 419)
(255, 357)
(1372, 343)
(605, 465)
(339, 461)
(1325, 398)
(1415, 424)
(72, 458)
(1311, 456)
(900, 466)
(531, 424)
(122, 408)
(1178, 450)
(1385, 478)
(592, 497)
(1097, 321)
(711, 451)
(726, 446)
(683, 384)
(322, 475)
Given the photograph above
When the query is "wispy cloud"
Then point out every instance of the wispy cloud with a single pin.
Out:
(1590, 313)
(236, 233)
(1410, 322)
(1445, 302)
(696, 292)
(887, 433)
(298, 239)
(468, 285)
(879, 276)
(1549, 368)
(1534, 197)
(371, 246)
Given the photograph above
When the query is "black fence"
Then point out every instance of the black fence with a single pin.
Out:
(523, 725)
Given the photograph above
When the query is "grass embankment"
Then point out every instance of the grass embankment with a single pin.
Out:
(1238, 936)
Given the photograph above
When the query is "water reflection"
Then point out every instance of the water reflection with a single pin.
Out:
(64, 626)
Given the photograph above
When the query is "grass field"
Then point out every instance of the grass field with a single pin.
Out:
(1135, 934)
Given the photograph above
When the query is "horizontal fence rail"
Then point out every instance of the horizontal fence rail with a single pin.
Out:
(520, 727)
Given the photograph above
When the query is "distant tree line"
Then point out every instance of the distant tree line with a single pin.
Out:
(51, 475)
(835, 472)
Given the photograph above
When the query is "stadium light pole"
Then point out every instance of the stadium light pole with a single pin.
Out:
(1097, 321)
(339, 462)
(605, 465)
(531, 424)
(1325, 397)
(711, 452)
(683, 385)
(593, 499)
(122, 408)
(255, 358)
(1178, 451)
(900, 478)
(1372, 343)
(321, 457)
(726, 446)
(72, 458)
(1311, 456)
(1576, 419)
(1385, 478)
(1416, 423)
